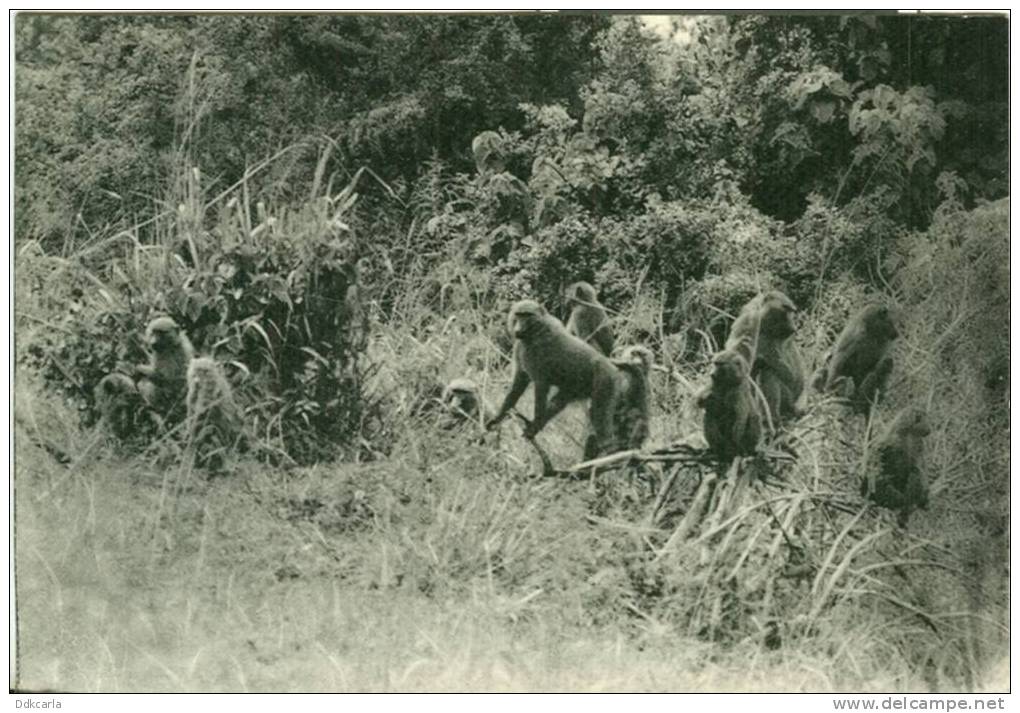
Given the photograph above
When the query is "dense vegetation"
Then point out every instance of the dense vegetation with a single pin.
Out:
(242, 173)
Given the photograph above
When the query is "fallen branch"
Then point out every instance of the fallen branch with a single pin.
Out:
(681, 453)
(660, 499)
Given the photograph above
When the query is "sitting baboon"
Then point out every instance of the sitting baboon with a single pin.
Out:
(897, 481)
(119, 404)
(588, 321)
(546, 354)
(859, 364)
(732, 422)
(163, 381)
(214, 419)
(462, 402)
(763, 335)
(631, 417)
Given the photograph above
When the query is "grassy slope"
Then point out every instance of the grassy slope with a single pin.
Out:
(459, 574)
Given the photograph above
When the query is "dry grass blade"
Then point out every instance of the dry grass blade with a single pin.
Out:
(820, 597)
(691, 517)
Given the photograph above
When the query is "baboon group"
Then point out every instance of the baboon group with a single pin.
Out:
(756, 385)
(174, 387)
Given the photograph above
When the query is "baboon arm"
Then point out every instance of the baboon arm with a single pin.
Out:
(752, 430)
(602, 411)
(517, 388)
(819, 378)
(772, 390)
(572, 327)
(839, 365)
(874, 383)
(148, 391)
(604, 340)
(145, 369)
(551, 408)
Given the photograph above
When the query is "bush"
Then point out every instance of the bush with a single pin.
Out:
(278, 301)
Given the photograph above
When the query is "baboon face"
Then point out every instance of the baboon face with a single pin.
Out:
(525, 317)
(880, 322)
(777, 311)
(162, 334)
(580, 293)
(729, 369)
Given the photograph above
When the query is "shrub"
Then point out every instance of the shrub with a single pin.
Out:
(278, 301)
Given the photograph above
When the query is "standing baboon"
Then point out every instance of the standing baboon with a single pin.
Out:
(763, 335)
(859, 364)
(732, 422)
(462, 402)
(588, 321)
(163, 381)
(897, 481)
(544, 353)
(214, 419)
(632, 408)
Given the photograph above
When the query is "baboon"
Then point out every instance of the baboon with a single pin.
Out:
(859, 364)
(632, 410)
(119, 404)
(163, 381)
(763, 335)
(462, 402)
(546, 354)
(588, 321)
(732, 422)
(214, 419)
(897, 481)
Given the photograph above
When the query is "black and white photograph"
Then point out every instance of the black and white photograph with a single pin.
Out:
(504, 352)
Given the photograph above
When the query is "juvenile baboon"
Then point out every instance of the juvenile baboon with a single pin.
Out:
(859, 363)
(763, 335)
(544, 353)
(462, 402)
(897, 481)
(119, 404)
(214, 419)
(632, 410)
(163, 381)
(732, 422)
(588, 321)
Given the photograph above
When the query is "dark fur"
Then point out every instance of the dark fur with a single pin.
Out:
(544, 353)
(163, 382)
(632, 403)
(763, 335)
(588, 320)
(860, 364)
(732, 422)
(119, 404)
(462, 402)
(899, 481)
